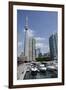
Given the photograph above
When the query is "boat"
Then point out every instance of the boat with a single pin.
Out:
(51, 68)
(42, 68)
(34, 70)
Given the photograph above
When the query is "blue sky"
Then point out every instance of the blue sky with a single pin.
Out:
(42, 25)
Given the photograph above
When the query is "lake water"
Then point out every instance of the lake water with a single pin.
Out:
(41, 75)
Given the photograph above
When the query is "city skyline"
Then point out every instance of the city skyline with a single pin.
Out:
(41, 24)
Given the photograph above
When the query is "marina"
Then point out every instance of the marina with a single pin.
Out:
(37, 71)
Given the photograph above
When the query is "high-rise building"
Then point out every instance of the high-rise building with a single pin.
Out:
(30, 49)
(56, 44)
(53, 43)
(33, 48)
(37, 52)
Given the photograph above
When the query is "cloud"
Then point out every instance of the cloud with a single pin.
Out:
(19, 44)
(39, 45)
(30, 33)
(42, 44)
(39, 38)
(43, 47)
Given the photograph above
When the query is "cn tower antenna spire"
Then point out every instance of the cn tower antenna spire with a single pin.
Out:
(26, 21)
(26, 25)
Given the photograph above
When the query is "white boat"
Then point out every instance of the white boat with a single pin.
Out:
(42, 67)
(34, 70)
(51, 68)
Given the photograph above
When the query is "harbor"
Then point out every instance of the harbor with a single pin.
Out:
(37, 70)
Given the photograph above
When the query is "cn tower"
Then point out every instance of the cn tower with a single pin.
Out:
(26, 40)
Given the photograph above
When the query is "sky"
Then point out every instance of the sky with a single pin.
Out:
(42, 24)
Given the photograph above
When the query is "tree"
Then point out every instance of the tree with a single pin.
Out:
(43, 59)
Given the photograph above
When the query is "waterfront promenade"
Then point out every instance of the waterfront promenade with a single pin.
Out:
(21, 70)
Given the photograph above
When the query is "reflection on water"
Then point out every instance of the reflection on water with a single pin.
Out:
(41, 75)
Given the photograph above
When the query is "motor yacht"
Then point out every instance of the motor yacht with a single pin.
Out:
(42, 68)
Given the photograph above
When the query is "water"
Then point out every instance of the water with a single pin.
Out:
(41, 75)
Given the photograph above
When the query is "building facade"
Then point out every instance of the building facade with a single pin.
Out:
(53, 45)
(30, 49)
(37, 52)
(33, 49)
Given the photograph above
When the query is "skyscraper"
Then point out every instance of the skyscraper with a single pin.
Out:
(30, 49)
(33, 48)
(37, 52)
(56, 44)
(53, 43)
